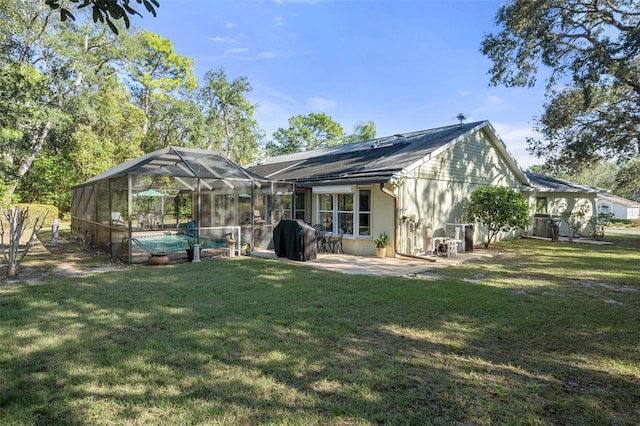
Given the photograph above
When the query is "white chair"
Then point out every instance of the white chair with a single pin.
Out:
(257, 218)
(116, 219)
(160, 221)
(452, 247)
(336, 244)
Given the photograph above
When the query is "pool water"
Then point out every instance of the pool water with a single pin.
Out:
(176, 242)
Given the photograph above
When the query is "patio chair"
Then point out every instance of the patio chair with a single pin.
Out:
(257, 218)
(321, 237)
(116, 219)
(140, 219)
(160, 221)
(335, 245)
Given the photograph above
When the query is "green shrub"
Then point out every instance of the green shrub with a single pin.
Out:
(622, 221)
(40, 210)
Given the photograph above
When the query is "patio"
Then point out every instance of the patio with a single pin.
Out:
(387, 267)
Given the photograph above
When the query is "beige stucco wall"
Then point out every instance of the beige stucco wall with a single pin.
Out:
(382, 206)
(558, 202)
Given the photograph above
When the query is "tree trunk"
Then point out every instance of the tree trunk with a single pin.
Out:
(36, 146)
(16, 220)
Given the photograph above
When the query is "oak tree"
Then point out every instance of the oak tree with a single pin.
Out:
(590, 54)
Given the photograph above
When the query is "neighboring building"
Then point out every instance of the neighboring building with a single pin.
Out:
(620, 207)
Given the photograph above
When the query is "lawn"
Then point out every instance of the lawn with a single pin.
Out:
(543, 334)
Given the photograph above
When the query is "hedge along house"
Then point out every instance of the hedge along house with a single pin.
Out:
(403, 185)
(159, 201)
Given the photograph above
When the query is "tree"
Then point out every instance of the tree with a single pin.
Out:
(602, 174)
(500, 209)
(627, 181)
(232, 129)
(362, 132)
(156, 69)
(15, 221)
(306, 133)
(105, 10)
(591, 50)
(43, 67)
(176, 122)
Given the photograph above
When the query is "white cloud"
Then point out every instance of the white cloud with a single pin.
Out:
(275, 54)
(320, 104)
(279, 21)
(238, 50)
(230, 25)
(274, 108)
(227, 40)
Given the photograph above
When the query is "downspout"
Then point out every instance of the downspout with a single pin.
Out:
(395, 228)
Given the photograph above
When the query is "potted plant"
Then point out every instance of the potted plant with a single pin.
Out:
(192, 242)
(381, 242)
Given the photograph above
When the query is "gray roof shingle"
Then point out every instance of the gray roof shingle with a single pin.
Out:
(374, 161)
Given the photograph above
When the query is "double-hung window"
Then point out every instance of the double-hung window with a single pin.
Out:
(350, 212)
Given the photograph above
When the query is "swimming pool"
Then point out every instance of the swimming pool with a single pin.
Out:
(174, 242)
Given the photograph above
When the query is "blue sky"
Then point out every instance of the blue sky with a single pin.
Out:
(405, 65)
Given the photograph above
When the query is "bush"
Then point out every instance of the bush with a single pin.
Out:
(40, 210)
(500, 209)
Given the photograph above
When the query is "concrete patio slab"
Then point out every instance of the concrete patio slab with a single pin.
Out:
(386, 267)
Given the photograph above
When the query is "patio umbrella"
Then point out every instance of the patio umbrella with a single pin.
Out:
(151, 193)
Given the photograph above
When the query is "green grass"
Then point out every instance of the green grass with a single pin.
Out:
(544, 334)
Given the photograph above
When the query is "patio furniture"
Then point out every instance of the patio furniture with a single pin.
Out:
(335, 244)
(445, 246)
(141, 221)
(257, 218)
(160, 221)
(321, 234)
(116, 219)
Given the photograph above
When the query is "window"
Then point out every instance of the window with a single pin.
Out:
(364, 212)
(350, 212)
(541, 205)
(325, 203)
(299, 214)
(345, 213)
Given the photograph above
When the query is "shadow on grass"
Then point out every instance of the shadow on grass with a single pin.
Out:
(258, 341)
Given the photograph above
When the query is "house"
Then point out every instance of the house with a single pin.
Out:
(620, 207)
(551, 197)
(410, 185)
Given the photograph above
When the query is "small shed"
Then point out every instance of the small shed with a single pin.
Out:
(159, 201)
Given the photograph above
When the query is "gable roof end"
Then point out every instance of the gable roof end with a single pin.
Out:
(493, 135)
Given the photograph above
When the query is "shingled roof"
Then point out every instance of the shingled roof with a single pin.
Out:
(549, 184)
(376, 161)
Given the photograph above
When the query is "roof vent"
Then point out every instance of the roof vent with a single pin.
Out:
(400, 139)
